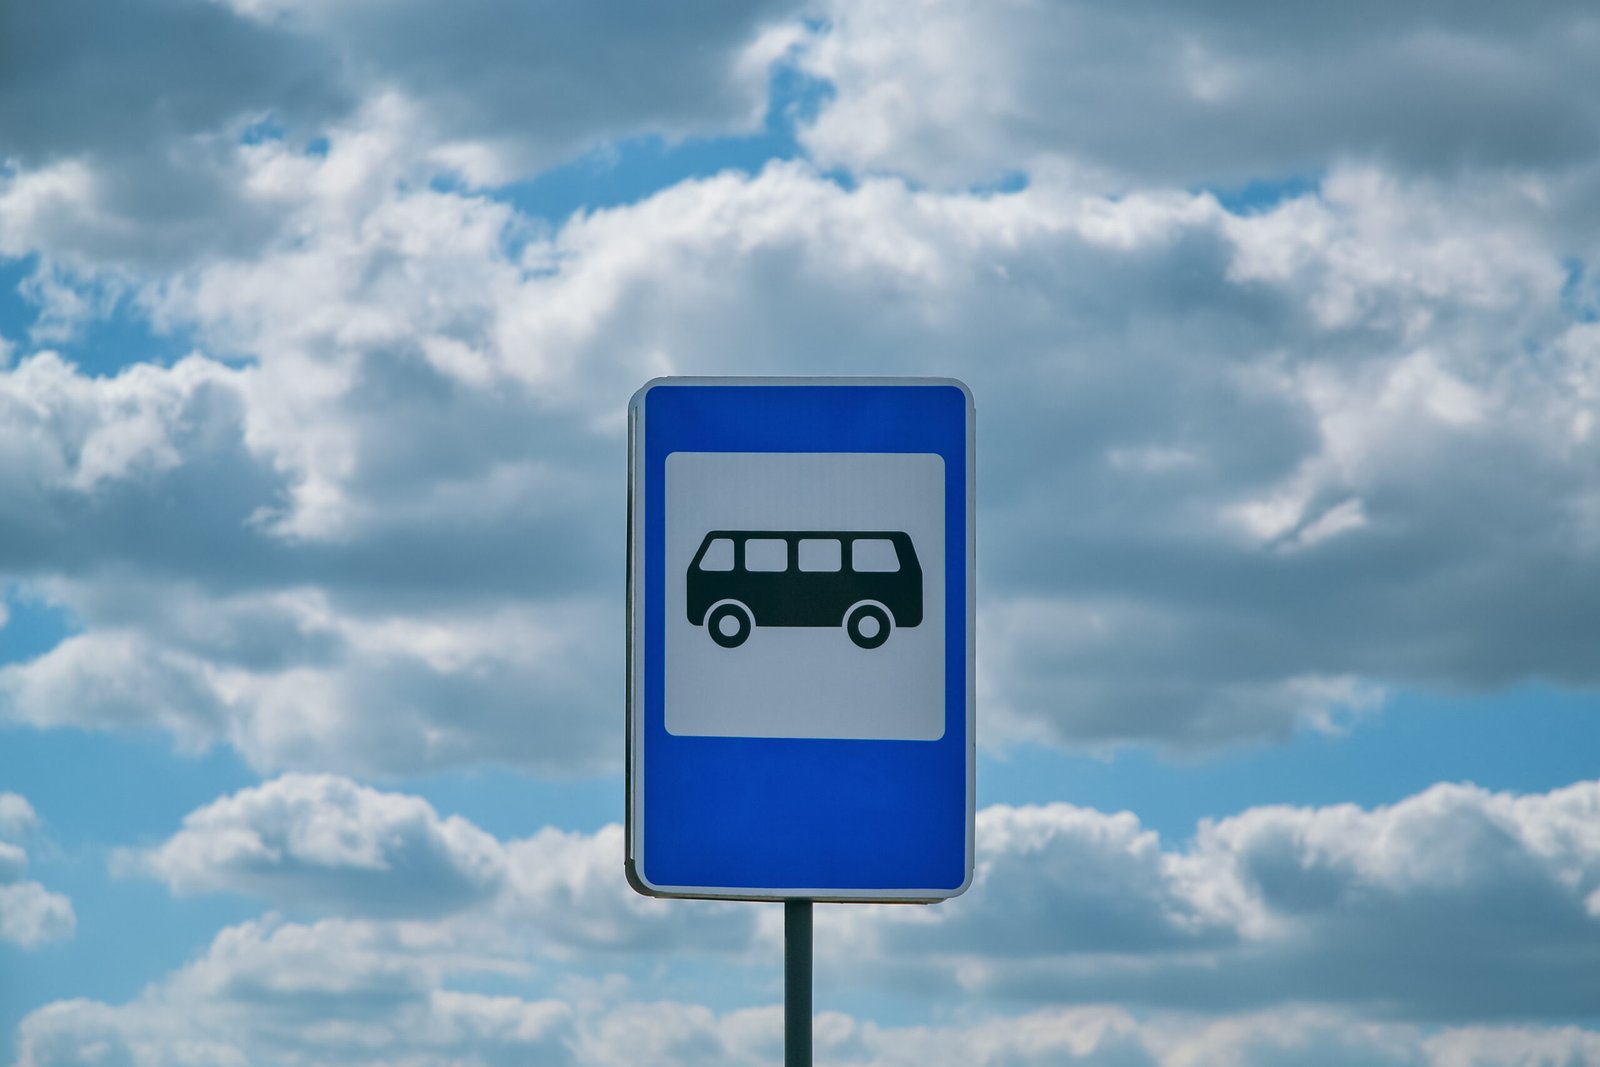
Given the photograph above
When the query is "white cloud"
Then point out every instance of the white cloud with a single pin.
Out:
(216, 629)
(114, 680)
(1371, 495)
(1304, 1038)
(17, 816)
(1066, 881)
(324, 843)
(961, 91)
(13, 862)
(65, 430)
(269, 993)
(1241, 475)
(1486, 1046)
(513, 89)
(131, 130)
(1455, 903)
(30, 914)
(571, 886)
(289, 682)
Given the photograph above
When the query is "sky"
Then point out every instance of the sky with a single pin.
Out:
(318, 325)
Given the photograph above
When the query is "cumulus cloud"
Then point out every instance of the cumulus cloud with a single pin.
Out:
(268, 993)
(323, 845)
(30, 914)
(133, 131)
(319, 842)
(1172, 93)
(146, 499)
(1324, 397)
(88, 77)
(1454, 903)
(257, 551)
(17, 816)
(287, 682)
(570, 886)
(1243, 473)
(122, 121)
(512, 89)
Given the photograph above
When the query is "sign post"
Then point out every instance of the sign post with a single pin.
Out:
(797, 983)
(800, 660)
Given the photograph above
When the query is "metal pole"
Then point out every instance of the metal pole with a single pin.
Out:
(797, 983)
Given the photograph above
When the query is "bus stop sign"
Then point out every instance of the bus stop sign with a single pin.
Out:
(800, 638)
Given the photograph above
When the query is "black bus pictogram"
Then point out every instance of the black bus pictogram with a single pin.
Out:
(866, 581)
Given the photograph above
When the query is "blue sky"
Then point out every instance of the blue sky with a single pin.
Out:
(318, 323)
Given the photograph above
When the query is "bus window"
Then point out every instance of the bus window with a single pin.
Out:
(766, 554)
(718, 555)
(819, 554)
(874, 554)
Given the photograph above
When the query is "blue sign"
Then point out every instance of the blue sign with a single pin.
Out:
(800, 662)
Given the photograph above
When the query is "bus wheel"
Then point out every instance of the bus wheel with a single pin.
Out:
(868, 625)
(728, 624)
